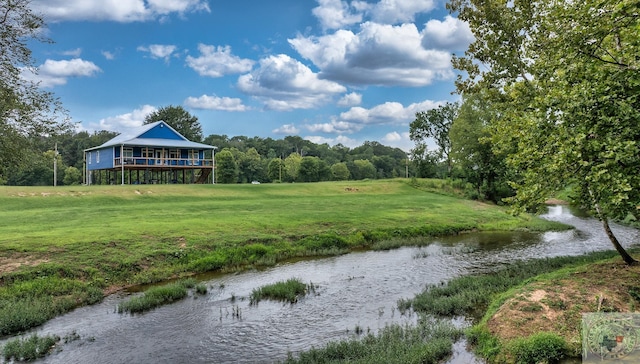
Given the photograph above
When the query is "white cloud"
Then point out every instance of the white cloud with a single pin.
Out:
(73, 52)
(287, 129)
(216, 103)
(109, 55)
(398, 140)
(377, 55)
(128, 120)
(335, 127)
(335, 14)
(163, 51)
(351, 99)
(283, 83)
(340, 139)
(387, 113)
(393, 11)
(451, 34)
(115, 10)
(55, 73)
(218, 61)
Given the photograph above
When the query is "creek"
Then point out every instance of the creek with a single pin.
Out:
(356, 290)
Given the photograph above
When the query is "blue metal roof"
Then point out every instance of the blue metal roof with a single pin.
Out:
(132, 138)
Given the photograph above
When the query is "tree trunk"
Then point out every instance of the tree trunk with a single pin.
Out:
(623, 253)
(616, 244)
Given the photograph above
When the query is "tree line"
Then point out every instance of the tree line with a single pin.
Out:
(239, 159)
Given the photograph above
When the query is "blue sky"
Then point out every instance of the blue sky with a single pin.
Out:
(330, 71)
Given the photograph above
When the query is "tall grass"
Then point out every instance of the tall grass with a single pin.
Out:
(287, 291)
(29, 349)
(157, 296)
(430, 341)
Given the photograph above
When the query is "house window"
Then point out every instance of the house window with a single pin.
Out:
(193, 154)
(173, 154)
(97, 156)
(147, 153)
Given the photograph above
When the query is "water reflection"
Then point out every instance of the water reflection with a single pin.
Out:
(359, 289)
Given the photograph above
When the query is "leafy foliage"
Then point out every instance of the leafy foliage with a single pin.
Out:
(26, 112)
(564, 79)
(179, 119)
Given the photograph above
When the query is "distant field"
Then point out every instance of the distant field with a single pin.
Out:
(45, 219)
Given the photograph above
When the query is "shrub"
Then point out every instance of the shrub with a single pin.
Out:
(540, 347)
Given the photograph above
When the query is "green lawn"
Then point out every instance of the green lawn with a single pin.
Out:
(68, 242)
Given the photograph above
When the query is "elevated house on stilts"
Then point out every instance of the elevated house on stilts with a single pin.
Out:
(152, 153)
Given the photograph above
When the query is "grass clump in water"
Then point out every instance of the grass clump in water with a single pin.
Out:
(157, 296)
(29, 349)
(428, 342)
(287, 291)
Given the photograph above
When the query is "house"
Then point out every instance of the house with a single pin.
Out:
(152, 153)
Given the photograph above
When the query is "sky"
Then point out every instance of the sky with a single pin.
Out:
(329, 71)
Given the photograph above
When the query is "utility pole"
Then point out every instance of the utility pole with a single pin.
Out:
(55, 166)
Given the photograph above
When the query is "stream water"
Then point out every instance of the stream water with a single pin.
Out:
(359, 289)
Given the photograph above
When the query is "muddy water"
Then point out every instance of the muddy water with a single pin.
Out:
(355, 290)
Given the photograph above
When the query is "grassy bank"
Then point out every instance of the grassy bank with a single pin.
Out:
(429, 342)
(67, 246)
(531, 312)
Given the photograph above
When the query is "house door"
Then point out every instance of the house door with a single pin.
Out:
(160, 158)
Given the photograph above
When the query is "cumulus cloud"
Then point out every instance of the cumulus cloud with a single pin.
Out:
(287, 129)
(451, 34)
(163, 51)
(55, 73)
(283, 83)
(351, 99)
(335, 127)
(394, 11)
(218, 61)
(122, 122)
(387, 113)
(340, 139)
(215, 103)
(378, 54)
(335, 14)
(119, 11)
(398, 140)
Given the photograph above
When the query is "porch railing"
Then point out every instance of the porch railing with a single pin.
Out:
(162, 162)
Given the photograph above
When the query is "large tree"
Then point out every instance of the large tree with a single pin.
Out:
(566, 77)
(26, 112)
(434, 124)
(179, 119)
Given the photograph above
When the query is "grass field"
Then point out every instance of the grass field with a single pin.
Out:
(65, 246)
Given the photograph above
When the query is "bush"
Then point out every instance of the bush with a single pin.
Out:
(540, 347)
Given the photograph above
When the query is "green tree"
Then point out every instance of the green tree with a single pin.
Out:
(340, 172)
(434, 124)
(226, 167)
(309, 169)
(362, 169)
(26, 112)
(292, 167)
(275, 169)
(72, 176)
(179, 119)
(564, 77)
(472, 149)
(250, 165)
